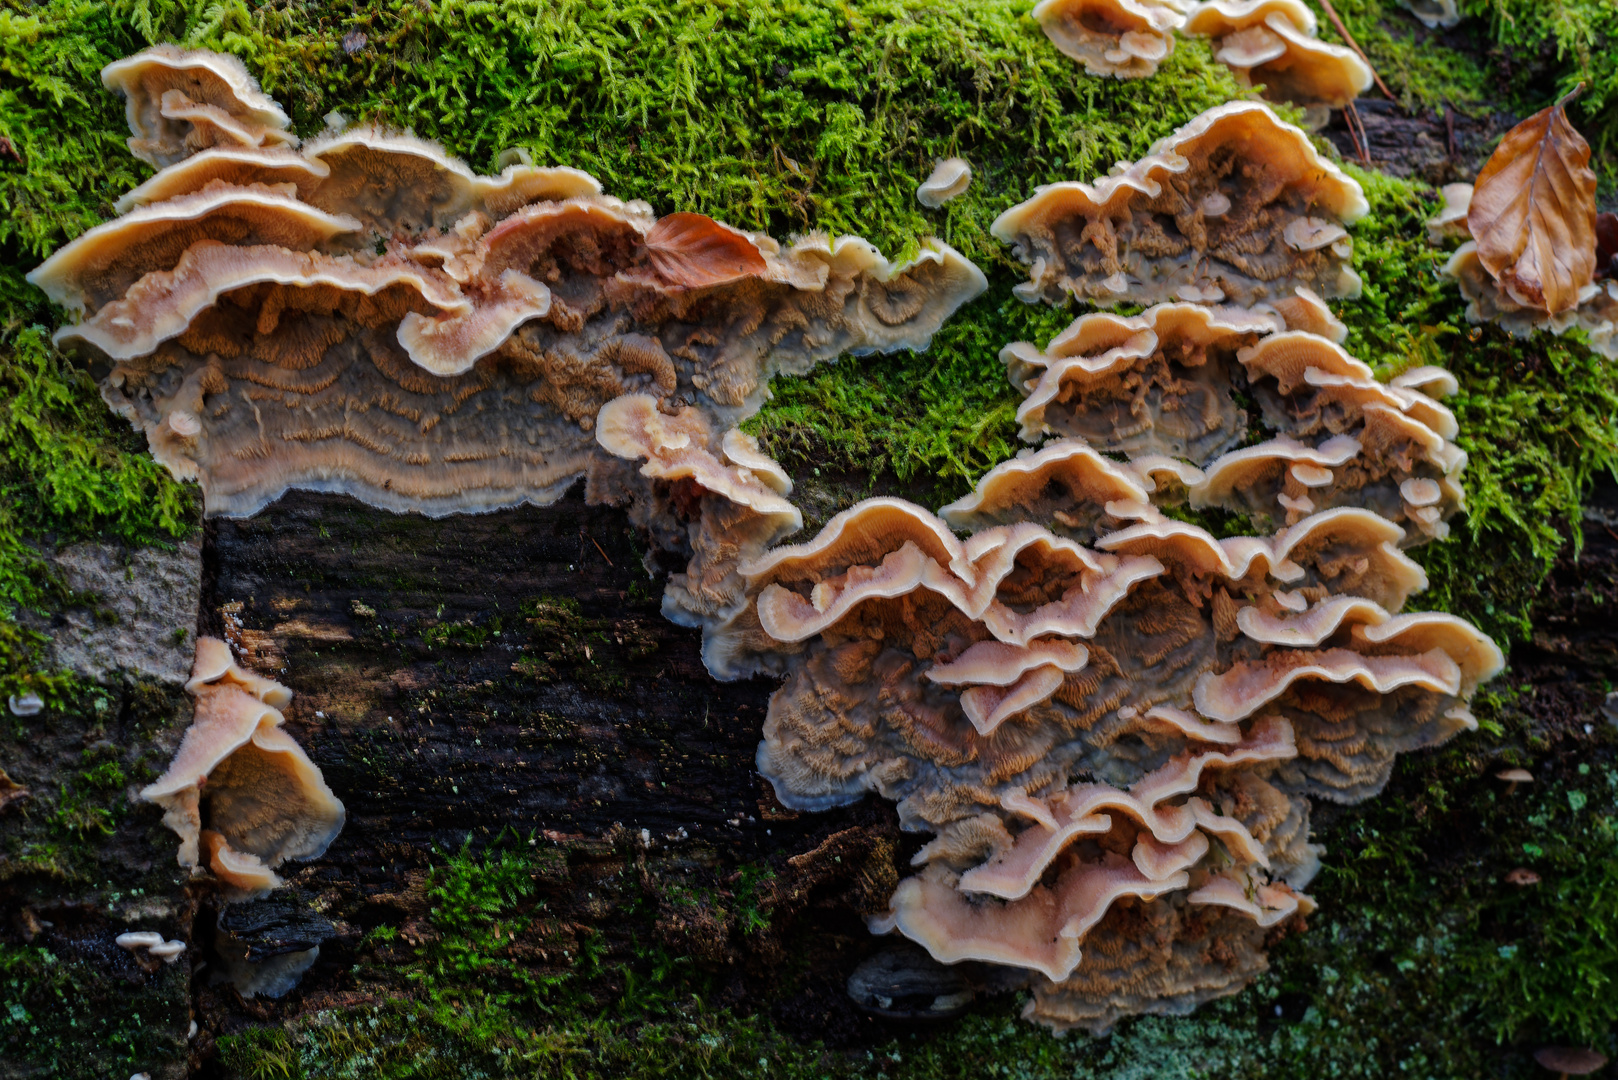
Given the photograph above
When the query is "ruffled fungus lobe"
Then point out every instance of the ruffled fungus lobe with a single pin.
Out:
(949, 178)
(367, 315)
(180, 101)
(1235, 205)
(1596, 312)
(1450, 221)
(1273, 43)
(738, 493)
(1125, 39)
(1159, 382)
(240, 793)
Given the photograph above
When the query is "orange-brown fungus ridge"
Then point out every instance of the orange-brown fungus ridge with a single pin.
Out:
(1113, 723)
(242, 795)
(1234, 206)
(364, 314)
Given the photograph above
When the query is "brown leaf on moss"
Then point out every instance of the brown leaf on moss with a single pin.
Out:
(1533, 211)
(697, 251)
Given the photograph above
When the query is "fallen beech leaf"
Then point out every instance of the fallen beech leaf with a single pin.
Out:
(1533, 211)
(696, 251)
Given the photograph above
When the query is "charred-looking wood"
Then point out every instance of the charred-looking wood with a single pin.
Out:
(503, 679)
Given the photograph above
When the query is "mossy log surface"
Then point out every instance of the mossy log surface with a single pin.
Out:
(501, 706)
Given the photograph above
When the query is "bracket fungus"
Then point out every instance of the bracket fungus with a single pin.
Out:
(1113, 723)
(367, 315)
(1083, 729)
(1162, 386)
(1534, 257)
(1125, 39)
(242, 795)
(950, 178)
(1235, 205)
(730, 497)
(1273, 43)
(1434, 13)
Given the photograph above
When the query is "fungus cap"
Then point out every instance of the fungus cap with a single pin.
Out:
(214, 80)
(950, 178)
(238, 165)
(1570, 1060)
(1125, 39)
(99, 266)
(1077, 237)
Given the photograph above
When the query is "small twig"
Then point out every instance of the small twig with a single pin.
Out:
(598, 546)
(1348, 122)
(1362, 141)
(1331, 13)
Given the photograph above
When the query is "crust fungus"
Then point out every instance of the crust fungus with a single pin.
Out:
(180, 101)
(240, 793)
(1235, 205)
(949, 178)
(368, 315)
(1125, 39)
(1273, 43)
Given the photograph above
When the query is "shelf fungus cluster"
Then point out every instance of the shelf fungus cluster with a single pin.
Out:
(1272, 43)
(362, 313)
(1268, 43)
(1110, 722)
(1236, 206)
(240, 793)
(1113, 741)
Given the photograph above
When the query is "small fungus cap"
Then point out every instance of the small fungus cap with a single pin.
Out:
(949, 178)
(1572, 1060)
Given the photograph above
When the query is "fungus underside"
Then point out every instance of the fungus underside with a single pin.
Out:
(822, 114)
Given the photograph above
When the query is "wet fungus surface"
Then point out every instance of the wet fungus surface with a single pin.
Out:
(1272, 43)
(1124, 39)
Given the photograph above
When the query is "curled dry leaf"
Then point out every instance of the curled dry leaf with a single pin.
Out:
(697, 251)
(1533, 212)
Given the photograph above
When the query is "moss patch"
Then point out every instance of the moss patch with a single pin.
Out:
(790, 116)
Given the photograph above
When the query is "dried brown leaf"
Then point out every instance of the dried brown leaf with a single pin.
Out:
(697, 251)
(1533, 212)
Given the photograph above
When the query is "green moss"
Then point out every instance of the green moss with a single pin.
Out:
(61, 1015)
(789, 116)
(1549, 48)
(1421, 71)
